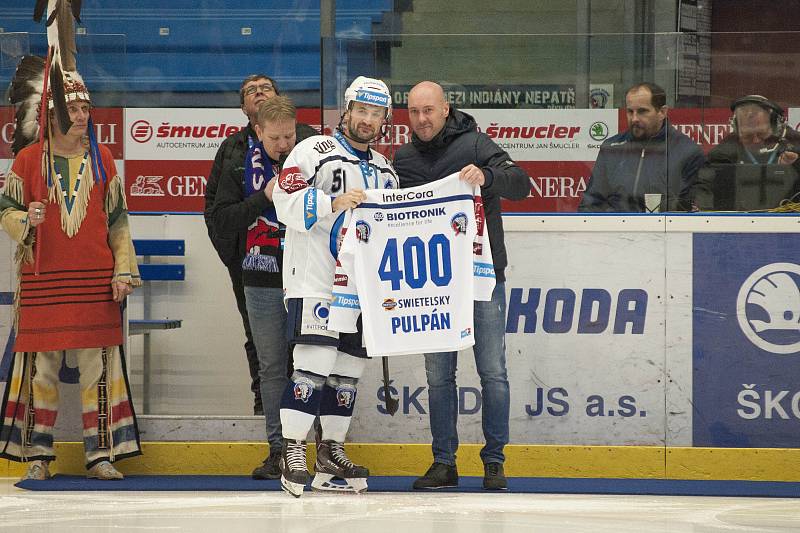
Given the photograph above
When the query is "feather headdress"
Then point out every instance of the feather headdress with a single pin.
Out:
(25, 95)
(61, 41)
(64, 83)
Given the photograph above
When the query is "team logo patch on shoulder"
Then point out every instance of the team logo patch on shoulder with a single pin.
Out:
(459, 223)
(389, 304)
(292, 180)
(363, 231)
(323, 147)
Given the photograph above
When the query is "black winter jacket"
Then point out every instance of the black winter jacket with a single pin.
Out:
(456, 146)
(229, 161)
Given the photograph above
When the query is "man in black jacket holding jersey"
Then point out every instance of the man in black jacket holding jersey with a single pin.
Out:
(444, 141)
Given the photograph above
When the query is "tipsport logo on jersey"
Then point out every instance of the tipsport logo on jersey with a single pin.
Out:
(746, 340)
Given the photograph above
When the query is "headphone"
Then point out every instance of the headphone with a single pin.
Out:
(777, 120)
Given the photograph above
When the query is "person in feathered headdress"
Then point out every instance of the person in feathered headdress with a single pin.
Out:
(64, 205)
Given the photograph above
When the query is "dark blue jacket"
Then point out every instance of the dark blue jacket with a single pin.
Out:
(626, 169)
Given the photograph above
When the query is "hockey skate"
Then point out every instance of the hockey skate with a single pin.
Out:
(294, 474)
(336, 472)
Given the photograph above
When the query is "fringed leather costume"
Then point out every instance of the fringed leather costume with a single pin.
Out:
(64, 305)
(68, 306)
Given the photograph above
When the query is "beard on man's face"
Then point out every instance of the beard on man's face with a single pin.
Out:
(355, 135)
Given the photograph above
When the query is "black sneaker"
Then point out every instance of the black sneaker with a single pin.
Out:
(271, 468)
(493, 477)
(438, 476)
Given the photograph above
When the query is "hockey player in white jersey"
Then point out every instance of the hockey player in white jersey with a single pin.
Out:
(322, 178)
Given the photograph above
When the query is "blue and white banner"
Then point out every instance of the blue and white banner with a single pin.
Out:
(746, 340)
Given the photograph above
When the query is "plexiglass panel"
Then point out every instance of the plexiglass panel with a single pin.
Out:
(652, 267)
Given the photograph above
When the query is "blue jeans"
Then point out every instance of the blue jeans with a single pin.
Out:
(268, 323)
(490, 360)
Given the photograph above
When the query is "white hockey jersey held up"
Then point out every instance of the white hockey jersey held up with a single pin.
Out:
(417, 258)
(316, 171)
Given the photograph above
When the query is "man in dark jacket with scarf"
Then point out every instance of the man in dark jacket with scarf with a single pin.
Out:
(445, 141)
(230, 246)
(651, 157)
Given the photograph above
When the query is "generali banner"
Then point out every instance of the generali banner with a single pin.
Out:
(165, 154)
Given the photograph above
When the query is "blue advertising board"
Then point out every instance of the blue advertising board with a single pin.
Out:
(746, 340)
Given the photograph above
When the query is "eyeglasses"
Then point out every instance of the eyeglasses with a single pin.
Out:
(264, 88)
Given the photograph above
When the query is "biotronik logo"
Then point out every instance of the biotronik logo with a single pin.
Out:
(768, 308)
(141, 131)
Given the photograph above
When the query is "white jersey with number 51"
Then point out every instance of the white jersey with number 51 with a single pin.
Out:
(318, 170)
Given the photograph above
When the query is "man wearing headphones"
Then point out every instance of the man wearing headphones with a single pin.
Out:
(759, 136)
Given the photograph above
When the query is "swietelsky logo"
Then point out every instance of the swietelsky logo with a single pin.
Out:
(768, 308)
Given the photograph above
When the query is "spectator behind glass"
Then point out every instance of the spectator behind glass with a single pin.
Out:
(759, 136)
(230, 246)
(650, 157)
